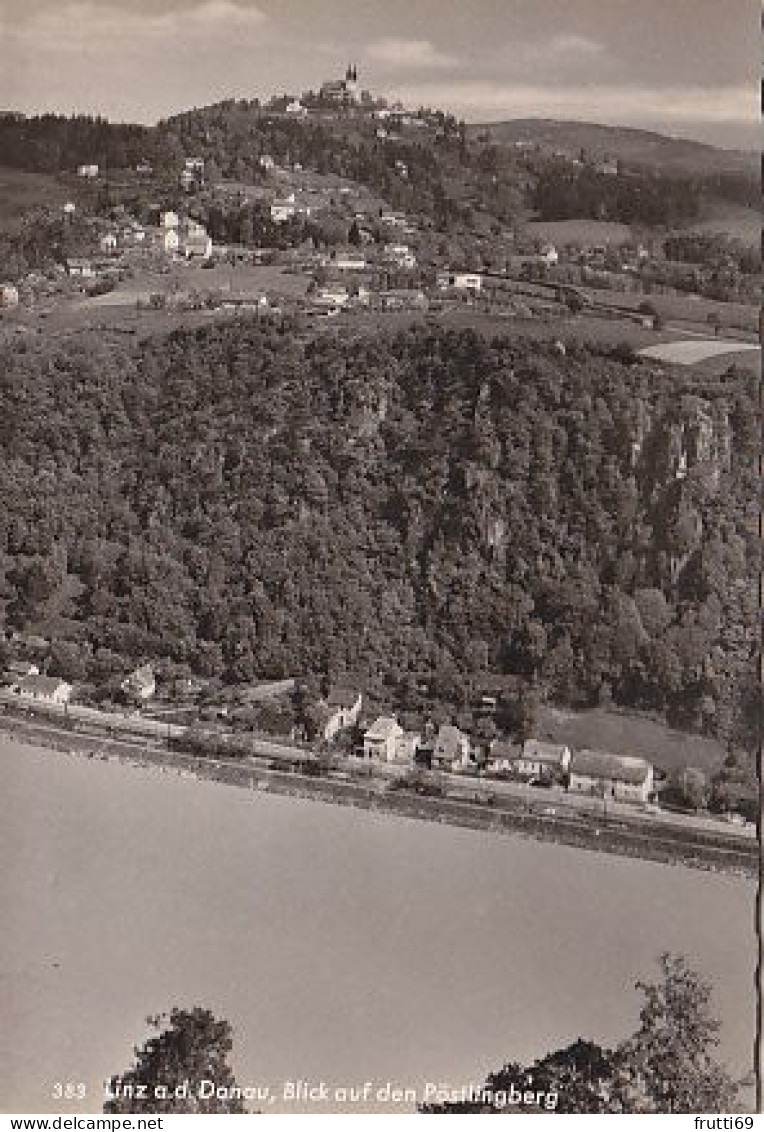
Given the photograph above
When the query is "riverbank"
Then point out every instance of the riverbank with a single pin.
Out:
(715, 852)
(322, 933)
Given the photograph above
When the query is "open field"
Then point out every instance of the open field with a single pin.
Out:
(68, 317)
(586, 233)
(691, 308)
(186, 279)
(736, 221)
(118, 309)
(690, 352)
(625, 733)
(720, 364)
(599, 331)
(688, 308)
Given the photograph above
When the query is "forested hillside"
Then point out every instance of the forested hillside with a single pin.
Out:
(564, 192)
(53, 143)
(428, 506)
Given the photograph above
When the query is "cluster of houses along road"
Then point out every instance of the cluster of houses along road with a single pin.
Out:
(451, 750)
(383, 740)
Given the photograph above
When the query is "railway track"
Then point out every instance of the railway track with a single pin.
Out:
(637, 836)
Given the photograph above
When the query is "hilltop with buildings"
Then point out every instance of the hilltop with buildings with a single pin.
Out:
(362, 205)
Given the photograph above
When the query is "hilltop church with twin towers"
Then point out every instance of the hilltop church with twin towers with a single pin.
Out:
(342, 90)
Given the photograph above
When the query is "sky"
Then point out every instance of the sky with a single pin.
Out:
(684, 67)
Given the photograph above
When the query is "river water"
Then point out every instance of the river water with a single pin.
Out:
(343, 946)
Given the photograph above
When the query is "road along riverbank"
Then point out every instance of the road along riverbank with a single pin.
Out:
(670, 844)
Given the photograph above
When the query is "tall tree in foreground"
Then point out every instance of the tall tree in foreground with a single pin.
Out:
(667, 1066)
(169, 1070)
(671, 1057)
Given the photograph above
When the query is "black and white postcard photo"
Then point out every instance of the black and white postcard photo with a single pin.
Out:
(380, 546)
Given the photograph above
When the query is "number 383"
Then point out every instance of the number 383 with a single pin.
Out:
(69, 1090)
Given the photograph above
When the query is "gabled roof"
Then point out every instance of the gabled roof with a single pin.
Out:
(198, 239)
(617, 768)
(536, 750)
(40, 685)
(340, 696)
(382, 728)
(503, 749)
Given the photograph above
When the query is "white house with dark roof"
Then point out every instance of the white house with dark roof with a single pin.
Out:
(343, 706)
(108, 243)
(623, 778)
(381, 739)
(197, 243)
(537, 759)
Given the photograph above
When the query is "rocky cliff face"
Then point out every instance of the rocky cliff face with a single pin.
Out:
(693, 438)
(685, 453)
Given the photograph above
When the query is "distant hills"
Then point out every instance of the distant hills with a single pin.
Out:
(632, 146)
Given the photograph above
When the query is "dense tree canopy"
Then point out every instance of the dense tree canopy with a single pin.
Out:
(246, 500)
(564, 191)
(183, 1069)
